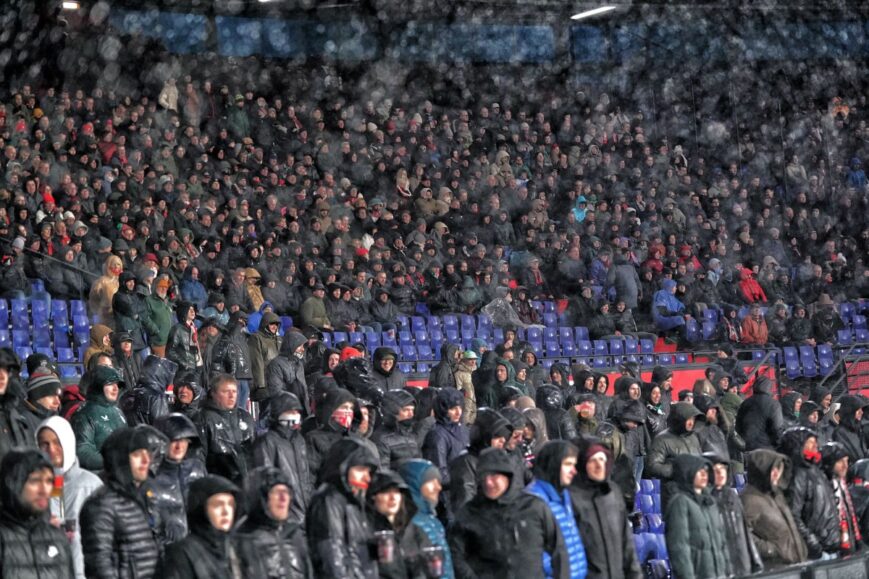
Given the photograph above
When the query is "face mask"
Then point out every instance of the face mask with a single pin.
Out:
(293, 421)
(813, 457)
(343, 418)
(299, 355)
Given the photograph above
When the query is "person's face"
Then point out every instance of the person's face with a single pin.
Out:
(110, 391)
(655, 396)
(634, 391)
(858, 415)
(50, 402)
(719, 472)
(595, 468)
(701, 479)
(498, 442)
(455, 414)
(387, 364)
(278, 503)
(388, 502)
(49, 444)
(220, 509)
(140, 460)
(36, 493)
(334, 360)
(406, 413)
(840, 469)
(501, 373)
(667, 384)
(568, 470)
(178, 449)
(185, 394)
(810, 445)
(689, 424)
(775, 474)
(226, 396)
(431, 491)
(495, 485)
(359, 477)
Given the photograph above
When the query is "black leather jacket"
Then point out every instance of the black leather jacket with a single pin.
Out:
(231, 355)
(395, 441)
(227, 440)
(169, 497)
(181, 349)
(147, 401)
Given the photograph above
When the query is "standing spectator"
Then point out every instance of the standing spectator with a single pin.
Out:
(156, 316)
(98, 417)
(464, 383)
(271, 541)
(623, 277)
(226, 431)
(104, 290)
(442, 373)
(145, 402)
(115, 534)
(448, 438)
(126, 306)
(231, 355)
(858, 485)
(385, 370)
(849, 432)
(57, 442)
(834, 461)
(264, 346)
(503, 532)
(394, 436)
(209, 550)
(286, 372)
(554, 470)
(679, 438)
(14, 427)
(125, 358)
(696, 541)
(491, 430)
(43, 398)
(755, 332)
(182, 344)
(759, 420)
(283, 447)
(32, 547)
(767, 513)
(339, 534)
(100, 342)
(744, 558)
(313, 311)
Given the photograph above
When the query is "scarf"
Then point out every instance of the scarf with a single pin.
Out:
(847, 518)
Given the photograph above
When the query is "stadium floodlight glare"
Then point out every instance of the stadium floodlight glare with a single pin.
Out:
(592, 12)
(70, 5)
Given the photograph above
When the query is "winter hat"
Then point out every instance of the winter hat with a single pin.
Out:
(40, 364)
(18, 243)
(42, 385)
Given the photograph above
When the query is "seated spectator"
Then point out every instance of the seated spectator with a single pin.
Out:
(754, 329)
(667, 311)
(826, 322)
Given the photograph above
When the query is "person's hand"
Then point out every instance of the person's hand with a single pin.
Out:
(55, 522)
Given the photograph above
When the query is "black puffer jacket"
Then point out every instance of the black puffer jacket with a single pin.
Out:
(173, 479)
(206, 553)
(328, 432)
(395, 441)
(147, 401)
(759, 420)
(463, 470)
(356, 376)
(810, 496)
(271, 549)
(712, 437)
(231, 354)
(506, 537)
(181, 347)
(386, 381)
(14, 426)
(559, 424)
(116, 537)
(672, 442)
(339, 535)
(849, 433)
(284, 448)
(227, 440)
(286, 373)
(442, 374)
(744, 558)
(31, 547)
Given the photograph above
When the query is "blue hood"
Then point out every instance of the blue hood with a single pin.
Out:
(413, 472)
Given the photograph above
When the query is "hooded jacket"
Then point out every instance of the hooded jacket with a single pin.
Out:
(269, 548)
(286, 373)
(695, 538)
(263, 347)
(231, 353)
(744, 558)
(667, 310)
(104, 289)
(32, 547)
(395, 440)
(547, 486)
(441, 375)
(328, 432)
(463, 469)
(767, 513)
(849, 433)
(147, 401)
(115, 533)
(15, 428)
(712, 436)
(126, 306)
(559, 424)
(506, 537)
(602, 520)
(759, 420)
(95, 346)
(156, 319)
(446, 440)
(672, 442)
(284, 448)
(96, 419)
(206, 553)
(392, 380)
(415, 473)
(338, 530)
(810, 496)
(78, 483)
(172, 481)
(227, 440)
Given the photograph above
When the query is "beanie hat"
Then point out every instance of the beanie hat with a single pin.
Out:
(41, 385)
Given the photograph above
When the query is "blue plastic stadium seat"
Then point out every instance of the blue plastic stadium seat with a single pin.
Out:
(23, 352)
(807, 359)
(600, 348)
(405, 338)
(424, 352)
(469, 322)
(423, 367)
(550, 334)
(708, 330)
(846, 311)
(790, 354)
(693, 332)
(452, 335)
(601, 362)
(646, 504)
(568, 349)
(77, 308)
(484, 322)
(647, 346)
(655, 523)
(356, 337)
(4, 313)
(498, 335)
(565, 335)
(421, 337)
(387, 340)
(552, 350)
(550, 320)
(372, 340)
(20, 338)
(450, 321)
(859, 322)
(793, 369)
(406, 367)
(408, 352)
(59, 312)
(647, 486)
(435, 323)
(581, 333)
(862, 336)
(826, 360)
(843, 337)
(417, 324)
(710, 315)
(534, 335)
(632, 345)
(665, 359)
(5, 340)
(42, 338)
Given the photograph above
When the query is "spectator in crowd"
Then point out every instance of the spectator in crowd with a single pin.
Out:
(182, 344)
(464, 383)
(14, 427)
(759, 420)
(286, 372)
(125, 358)
(43, 398)
(442, 373)
(335, 413)
(98, 417)
(126, 308)
(32, 547)
(744, 558)
(490, 430)
(394, 436)
(156, 316)
(227, 432)
(105, 288)
(264, 346)
(100, 342)
(449, 438)
(834, 462)
(849, 432)
(678, 439)
(667, 311)
(231, 354)
(146, 402)
(755, 331)
(858, 486)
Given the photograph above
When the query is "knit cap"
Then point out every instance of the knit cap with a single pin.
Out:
(42, 385)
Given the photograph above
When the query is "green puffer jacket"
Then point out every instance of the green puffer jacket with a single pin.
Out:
(92, 424)
(156, 318)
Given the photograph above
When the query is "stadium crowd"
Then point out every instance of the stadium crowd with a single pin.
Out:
(193, 221)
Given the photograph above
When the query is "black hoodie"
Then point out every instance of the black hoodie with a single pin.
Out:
(463, 470)
(147, 401)
(32, 548)
(392, 380)
(328, 432)
(395, 440)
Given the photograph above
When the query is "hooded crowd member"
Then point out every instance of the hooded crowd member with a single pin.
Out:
(386, 372)
(656, 417)
(392, 509)
(424, 416)
(209, 551)
(601, 516)
(104, 289)
(126, 305)
(182, 344)
(231, 354)
(56, 440)
(339, 534)
(188, 395)
(43, 399)
(663, 377)
(177, 470)
(264, 346)
(554, 470)
(98, 417)
(32, 547)
(125, 358)
(283, 447)
(849, 433)
(449, 438)
(668, 312)
(100, 342)
(441, 374)
(116, 537)
(834, 462)
(559, 425)
(271, 541)
(394, 435)
(744, 558)
(696, 541)
(491, 430)
(858, 485)
(286, 373)
(583, 406)
(334, 418)
(790, 409)
(156, 316)
(711, 428)
(147, 401)
(679, 438)
(634, 443)
(759, 420)
(424, 482)
(226, 431)
(503, 532)
(464, 382)
(809, 493)
(767, 513)
(313, 310)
